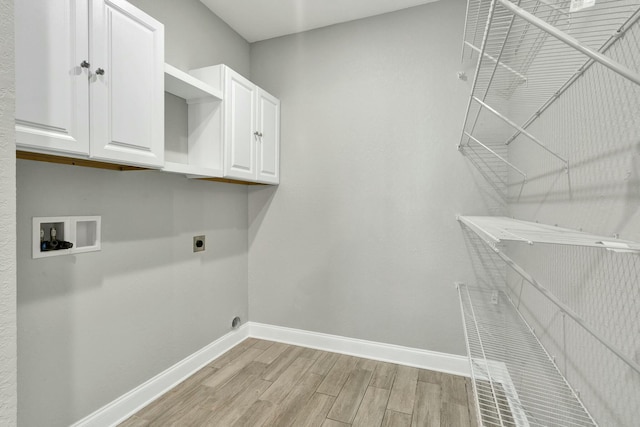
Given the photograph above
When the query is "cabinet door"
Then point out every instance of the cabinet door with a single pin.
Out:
(239, 127)
(52, 91)
(268, 148)
(127, 96)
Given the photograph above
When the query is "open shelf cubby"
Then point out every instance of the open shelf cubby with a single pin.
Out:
(192, 144)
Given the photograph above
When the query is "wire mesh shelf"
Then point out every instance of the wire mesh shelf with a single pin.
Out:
(495, 229)
(515, 381)
(529, 52)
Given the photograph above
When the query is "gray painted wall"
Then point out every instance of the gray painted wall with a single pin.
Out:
(360, 238)
(195, 37)
(8, 352)
(94, 326)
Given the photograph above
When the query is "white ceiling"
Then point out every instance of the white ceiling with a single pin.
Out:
(257, 20)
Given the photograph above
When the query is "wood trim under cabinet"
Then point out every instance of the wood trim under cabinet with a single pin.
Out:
(50, 158)
(231, 181)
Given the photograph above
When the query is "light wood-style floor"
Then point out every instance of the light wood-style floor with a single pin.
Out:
(262, 383)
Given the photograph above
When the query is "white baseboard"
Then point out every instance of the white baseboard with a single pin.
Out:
(128, 404)
(424, 359)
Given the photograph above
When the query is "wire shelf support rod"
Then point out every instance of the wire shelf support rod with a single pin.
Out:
(521, 130)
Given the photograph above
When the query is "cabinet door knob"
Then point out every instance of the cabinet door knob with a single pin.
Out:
(85, 64)
(258, 134)
(100, 72)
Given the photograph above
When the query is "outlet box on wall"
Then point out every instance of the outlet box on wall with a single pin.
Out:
(82, 232)
(198, 243)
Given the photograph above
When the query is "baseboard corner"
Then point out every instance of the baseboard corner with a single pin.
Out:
(131, 402)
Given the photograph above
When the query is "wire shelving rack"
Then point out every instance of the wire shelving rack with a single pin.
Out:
(500, 343)
(515, 380)
(529, 52)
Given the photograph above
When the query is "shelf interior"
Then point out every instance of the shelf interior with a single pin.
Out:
(185, 86)
(188, 152)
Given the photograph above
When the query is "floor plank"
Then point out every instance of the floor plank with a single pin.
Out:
(454, 390)
(256, 415)
(315, 411)
(181, 408)
(287, 380)
(333, 423)
(263, 344)
(310, 353)
(272, 353)
(227, 372)
(180, 392)
(282, 362)
(157, 407)
(194, 416)
(337, 375)
(324, 363)
(366, 364)
(372, 409)
(286, 412)
(396, 419)
(348, 401)
(403, 392)
(384, 375)
(194, 380)
(432, 377)
(454, 414)
(230, 410)
(426, 410)
(235, 385)
(232, 354)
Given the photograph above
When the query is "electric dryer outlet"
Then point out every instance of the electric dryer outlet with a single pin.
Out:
(198, 243)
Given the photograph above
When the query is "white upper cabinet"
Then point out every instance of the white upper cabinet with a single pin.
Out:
(127, 89)
(268, 147)
(240, 132)
(90, 80)
(52, 72)
(249, 126)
